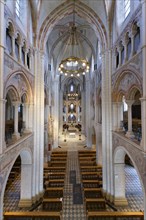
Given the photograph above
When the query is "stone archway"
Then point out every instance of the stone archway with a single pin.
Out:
(119, 176)
(26, 180)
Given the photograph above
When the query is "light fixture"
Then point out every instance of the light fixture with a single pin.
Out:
(75, 64)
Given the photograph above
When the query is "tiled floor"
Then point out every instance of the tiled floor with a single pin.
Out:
(71, 211)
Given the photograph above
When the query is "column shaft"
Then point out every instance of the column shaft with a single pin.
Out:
(88, 114)
(2, 101)
(129, 133)
(16, 134)
(143, 100)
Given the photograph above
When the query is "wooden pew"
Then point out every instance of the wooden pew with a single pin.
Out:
(54, 183)
(58, 158)
(57, 164)
(55, 169)
(92, 215)
(59, 154)
(56, 175)
(92, 183)
(91, 158)
(52, 204)
(95, 204)
(93, 193)
(33, 215)
(53, 192)
(87, 163)
(86, 151)
(97, 168)
(91, 176)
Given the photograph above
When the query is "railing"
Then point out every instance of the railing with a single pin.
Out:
(32, 216)
(115, 216)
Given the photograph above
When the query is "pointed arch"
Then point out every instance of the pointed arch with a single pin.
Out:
(65, 9)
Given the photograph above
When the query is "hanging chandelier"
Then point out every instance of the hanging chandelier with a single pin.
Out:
(73, 65)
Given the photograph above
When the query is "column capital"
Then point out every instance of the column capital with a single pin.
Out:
(142, 99)
(129, 102)
(15, 103)
(3, 101)
(125, 40)
(132, 33)
(119, 47)
(12, 34)
(25, 50)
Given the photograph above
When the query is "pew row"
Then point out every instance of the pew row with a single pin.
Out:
(93, 193)
(52, 204)
(91, 215)
(95, 204)
(97, 168)
(53, 192)
(54, 183)
(92, 183)
(32, 215)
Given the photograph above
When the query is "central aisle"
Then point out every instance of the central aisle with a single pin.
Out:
(70, 210)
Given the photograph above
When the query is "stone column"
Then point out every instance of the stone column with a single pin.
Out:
(2, 100)
(120, 198)
(31, 60)
(61, 112)
(56, 112)
(129, 133)
(107, 160)
(83, 111)
(41, 121)
(104, 166)
(88, 113)
(38, 151)
(143, 99)
(115, 116)
(2, 125)
(125, 43)
(16, 134)
(35, 177)
(46, 142)
(25, 57)
(26, 117)
(120, 115)
(99, 113)
(132, 45)
(26, 193)
(20, 52)
(31, 117)
(13, 44)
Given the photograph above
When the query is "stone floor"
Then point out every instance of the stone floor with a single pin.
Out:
(71, 211)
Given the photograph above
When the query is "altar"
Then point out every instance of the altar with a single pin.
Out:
(72, 135)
